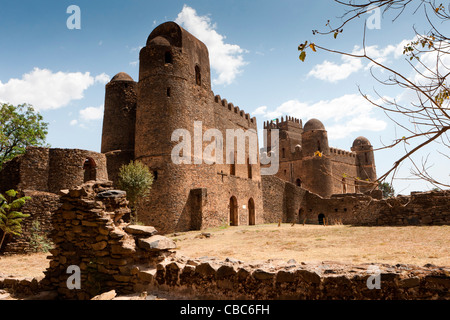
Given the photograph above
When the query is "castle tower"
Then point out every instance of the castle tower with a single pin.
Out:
(119, 122)
(365, 160)
(174, 92)
(316, 159)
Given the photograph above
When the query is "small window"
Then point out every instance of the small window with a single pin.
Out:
(168, 58)
(198, 76)
(318, 146)
(155, 175)
(283, 151)
(298, 182)
(168, 92)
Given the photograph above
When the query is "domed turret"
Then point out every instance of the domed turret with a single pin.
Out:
(119, 120)
(365, 160)
(122, 76)
(313, 124)
(361, 141)
(316, 158)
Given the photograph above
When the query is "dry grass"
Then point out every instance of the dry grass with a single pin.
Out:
(413, 245)
(392, 245)
(31, 265)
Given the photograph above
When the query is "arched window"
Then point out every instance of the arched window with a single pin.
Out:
(90, 170)
(233, 211)
(251, 212)
(168, 57)
(249, 169)
(298, 182)
(198, 76)
(232, 164)
(344, 186)
(321, 219)
(318, 146)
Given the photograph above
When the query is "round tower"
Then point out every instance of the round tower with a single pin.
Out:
(316, 159)
(174, 92)
(365, 160)
(119, 122)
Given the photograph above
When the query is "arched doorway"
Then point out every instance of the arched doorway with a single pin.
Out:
(251, 212)
(321, 219)
(90, 170)
(233, 211)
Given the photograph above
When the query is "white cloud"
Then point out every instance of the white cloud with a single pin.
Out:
(74, 122)
(260, 111)
(46, 90)
(102, 78)
(343, 116)
(226, 59)
(92, 113)
(332, 72)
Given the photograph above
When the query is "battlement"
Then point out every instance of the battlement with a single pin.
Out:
(230, 106)
(279, 124)
(342, 153)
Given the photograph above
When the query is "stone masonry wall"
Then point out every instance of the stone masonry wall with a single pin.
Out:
(420, 208)
(40, 208)
(88, 233)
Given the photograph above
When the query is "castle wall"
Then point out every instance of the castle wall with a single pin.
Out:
(344, 171)
(282, 200)
(175, 93)
(422, 208)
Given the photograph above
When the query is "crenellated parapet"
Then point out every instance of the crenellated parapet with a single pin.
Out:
(342, 153)
(284, 122)
(223, 103)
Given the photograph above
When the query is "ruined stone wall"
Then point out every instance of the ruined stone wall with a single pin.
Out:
(51, 170)
(35, 228)
(67, 168)
(27, 171)
(88, 233)
(421, 208)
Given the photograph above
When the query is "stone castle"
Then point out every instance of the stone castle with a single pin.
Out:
(173, 92)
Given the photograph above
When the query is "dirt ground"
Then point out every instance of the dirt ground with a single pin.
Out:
(392, 245)
(309, 243)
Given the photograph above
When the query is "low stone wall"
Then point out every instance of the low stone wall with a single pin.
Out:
(209, 278)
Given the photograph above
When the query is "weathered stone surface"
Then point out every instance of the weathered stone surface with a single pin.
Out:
(106, 296)
(156, 243)
(285, 276)
(99, 245)
(112, 194)
(263, 275)
(144, 231)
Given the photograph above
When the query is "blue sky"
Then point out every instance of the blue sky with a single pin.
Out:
(253, 51)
